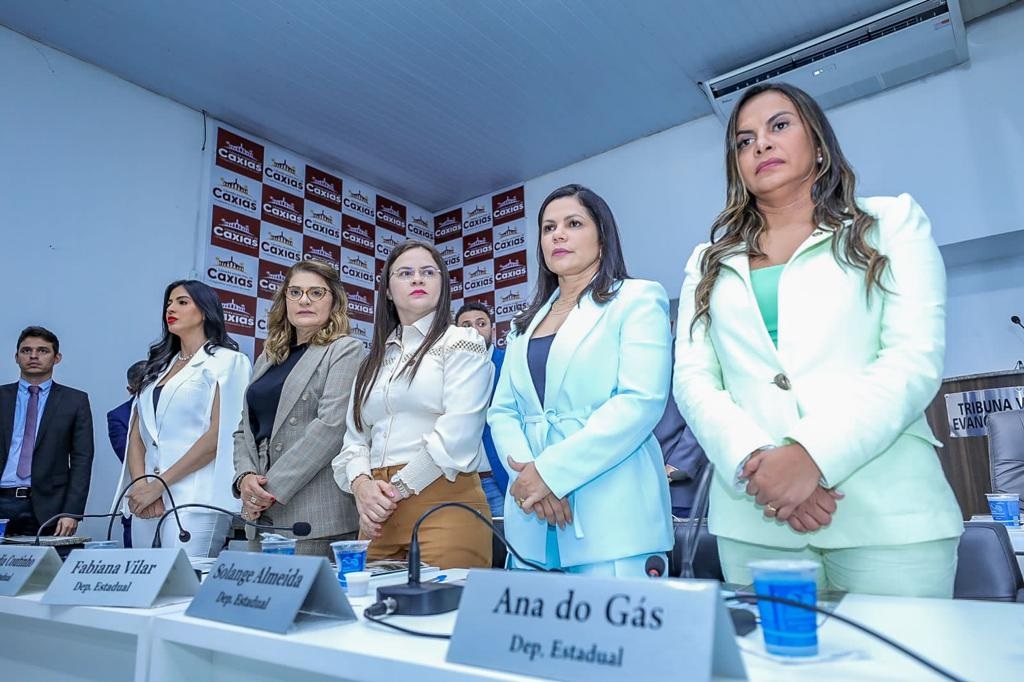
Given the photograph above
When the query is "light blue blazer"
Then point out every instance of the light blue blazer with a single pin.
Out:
(607, 383)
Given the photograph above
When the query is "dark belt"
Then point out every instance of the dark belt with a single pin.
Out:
(20, 493)
(485, 474)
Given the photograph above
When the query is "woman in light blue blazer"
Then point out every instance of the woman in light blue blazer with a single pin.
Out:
(811, 339)
(585, 380)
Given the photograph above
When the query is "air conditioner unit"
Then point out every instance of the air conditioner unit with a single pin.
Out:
(909, 41)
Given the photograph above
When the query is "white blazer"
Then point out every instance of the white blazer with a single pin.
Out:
(606, 384)
(183, 415)
(849, 381)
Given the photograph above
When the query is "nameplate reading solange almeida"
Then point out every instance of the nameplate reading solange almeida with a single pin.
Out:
(269, 591)
(123, 577)
(567, 627)
(24, 569)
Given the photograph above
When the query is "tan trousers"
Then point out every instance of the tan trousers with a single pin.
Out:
(450, 538)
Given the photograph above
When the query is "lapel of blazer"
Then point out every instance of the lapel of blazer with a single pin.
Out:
(52, 404)
(172, 386)
(8, 400)
(296, 382)
(577, 325)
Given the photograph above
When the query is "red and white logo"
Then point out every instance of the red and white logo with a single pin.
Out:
(510, 269)
(510, 237)
(485, 299)
(508, 206)
(448, 226)
(235, 231)
(239, 154)
(419, 227)
(230, 270)
(282, 209)
(239, 312)
(477, 247)
(284, 170)
(477, 278)
(455, 281)
(501, 332)
(358, 235)
(451, 253)
(475, 216)
(386, 241)
(391, 214)
(237, 193)
(279, 244)
(323, 188)
(271, 278)
(359, 201)
(316, 249)
(360, 302)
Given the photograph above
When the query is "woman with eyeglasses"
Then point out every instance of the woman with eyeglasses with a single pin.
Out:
(293, 420)
(416, 419)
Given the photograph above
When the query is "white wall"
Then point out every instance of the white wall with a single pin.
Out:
(954, 140)
(982, 297)
(99, 194)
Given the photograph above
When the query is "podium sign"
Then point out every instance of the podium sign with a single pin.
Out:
(567, 627)
(123, 577)
(26, 569)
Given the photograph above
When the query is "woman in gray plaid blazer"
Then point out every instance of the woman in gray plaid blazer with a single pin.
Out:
(293, 421)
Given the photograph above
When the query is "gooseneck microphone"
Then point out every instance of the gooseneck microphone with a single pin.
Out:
(656, 566)
(300, 528)
(183, 534)
(78, 517)
(1016, 321)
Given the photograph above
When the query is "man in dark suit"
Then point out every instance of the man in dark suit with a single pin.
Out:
(118, 420)
(685, 460)
(46, 443)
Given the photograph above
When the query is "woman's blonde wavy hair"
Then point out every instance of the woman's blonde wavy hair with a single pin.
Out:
(740, 225)
(280, 332)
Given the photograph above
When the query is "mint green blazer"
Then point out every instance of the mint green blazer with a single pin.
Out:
(859, 371)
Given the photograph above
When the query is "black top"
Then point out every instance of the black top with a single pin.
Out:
(156, 396)
(264, 394)
(537, 358)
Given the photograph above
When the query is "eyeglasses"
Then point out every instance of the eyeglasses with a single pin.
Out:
(315, 293)
(406, 274)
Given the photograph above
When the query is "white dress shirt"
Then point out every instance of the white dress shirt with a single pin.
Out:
(432, 424)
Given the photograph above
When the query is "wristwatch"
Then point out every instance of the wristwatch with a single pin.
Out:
(401, 487)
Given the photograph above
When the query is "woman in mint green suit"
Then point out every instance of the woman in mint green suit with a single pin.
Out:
(811, 339)
(585, 380)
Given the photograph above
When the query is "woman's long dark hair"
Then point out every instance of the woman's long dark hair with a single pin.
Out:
(611, 270)
(385, 321)
(740, 224)
(163, 351)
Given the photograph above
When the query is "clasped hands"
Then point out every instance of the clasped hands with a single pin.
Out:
(256, 499)
(534, 496)
(376, 501)
(787, 482)
(146, 499)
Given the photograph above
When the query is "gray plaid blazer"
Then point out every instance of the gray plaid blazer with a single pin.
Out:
(308, 431)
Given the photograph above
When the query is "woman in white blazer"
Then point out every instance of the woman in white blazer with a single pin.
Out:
(183, 420)
(585, 380)
(811, 338)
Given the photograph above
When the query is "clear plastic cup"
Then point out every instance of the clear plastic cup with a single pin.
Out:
(358, 583)
(278, 546)
(103, 544)
(350, 555)
(788, 630)
(3, 529)
(1005, 508)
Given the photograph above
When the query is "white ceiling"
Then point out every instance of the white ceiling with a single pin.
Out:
(435, 101)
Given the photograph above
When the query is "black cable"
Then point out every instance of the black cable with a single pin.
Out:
(494, 531)
(374, 613)
(691, 531)
(747, 597)
(204, 131)
(120, 498)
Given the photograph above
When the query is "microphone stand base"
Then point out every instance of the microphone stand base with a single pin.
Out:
(425, 599)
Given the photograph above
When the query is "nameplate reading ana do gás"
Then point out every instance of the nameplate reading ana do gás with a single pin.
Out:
(269, 591)
(25, 569)
(123, 577)
(567, 627)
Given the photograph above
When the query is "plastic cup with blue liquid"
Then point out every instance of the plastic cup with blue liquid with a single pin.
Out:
(1005, 508)
(3, 529)
(788, 630)
(275, 544)
(103, 544)
(350, 556)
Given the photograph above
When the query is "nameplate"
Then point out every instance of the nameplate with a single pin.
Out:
(968, 411)
(567, 627)
(123, 577)
(270, 591)
(26, 569)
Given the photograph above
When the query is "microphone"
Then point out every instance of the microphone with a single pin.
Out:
(1016, 321)
(58, 517)
(656, 566)
(300, 528)
(183, 534)
(426, 599)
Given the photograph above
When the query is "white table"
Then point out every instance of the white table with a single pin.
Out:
(43, 642)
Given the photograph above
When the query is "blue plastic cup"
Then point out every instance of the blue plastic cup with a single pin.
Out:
(1005, 508)
(350, 555)
(103, 544)
(3, 529)
(788, 630)
(275, 546)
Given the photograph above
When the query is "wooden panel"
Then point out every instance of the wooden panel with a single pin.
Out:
(965, 460)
